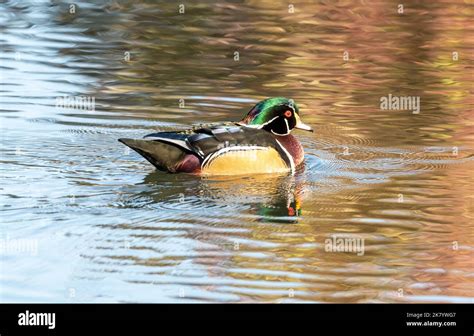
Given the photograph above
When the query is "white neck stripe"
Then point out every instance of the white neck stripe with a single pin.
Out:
(292, 163)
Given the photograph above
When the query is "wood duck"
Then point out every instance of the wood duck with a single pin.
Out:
(260, 143)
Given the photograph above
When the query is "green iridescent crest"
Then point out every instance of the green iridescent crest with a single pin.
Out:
(268, 109)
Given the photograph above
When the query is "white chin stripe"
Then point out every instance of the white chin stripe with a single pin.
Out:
(287, 129)
(279, 133)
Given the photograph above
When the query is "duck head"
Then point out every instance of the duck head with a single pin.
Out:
(276, 115)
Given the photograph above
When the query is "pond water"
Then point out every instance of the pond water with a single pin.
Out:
(83, 219)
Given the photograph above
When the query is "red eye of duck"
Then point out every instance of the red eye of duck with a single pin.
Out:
(288, 114)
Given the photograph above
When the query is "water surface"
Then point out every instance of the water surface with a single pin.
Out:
(83, 219)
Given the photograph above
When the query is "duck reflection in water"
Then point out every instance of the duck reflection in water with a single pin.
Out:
(272, 197)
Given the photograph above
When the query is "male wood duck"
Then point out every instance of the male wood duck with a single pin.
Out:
(260, 143)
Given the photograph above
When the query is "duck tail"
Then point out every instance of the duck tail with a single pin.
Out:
(164, 156)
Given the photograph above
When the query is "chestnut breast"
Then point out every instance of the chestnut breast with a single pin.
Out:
(293, 146)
